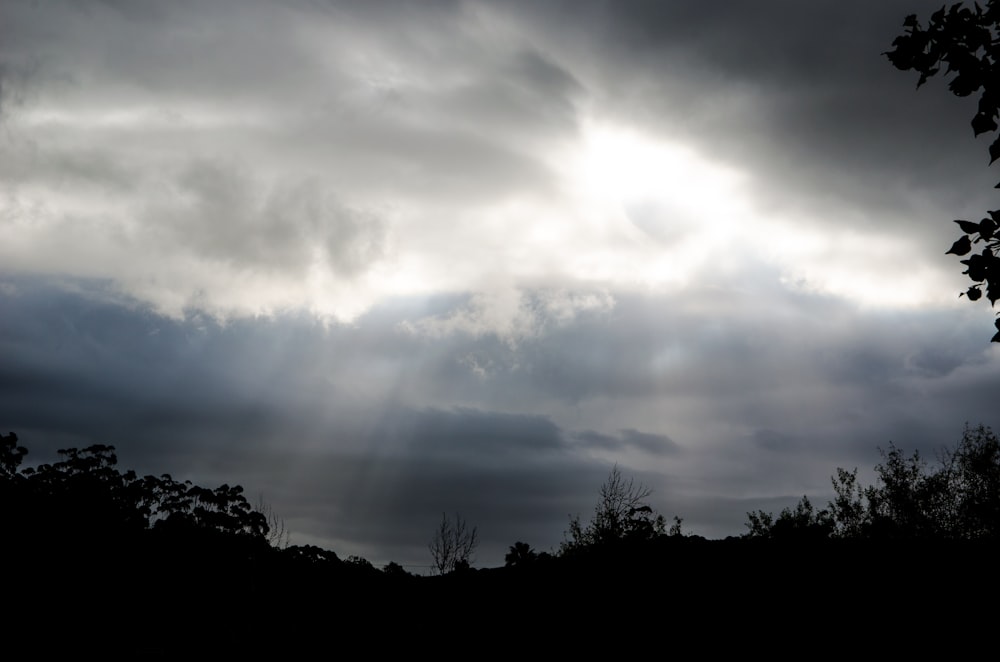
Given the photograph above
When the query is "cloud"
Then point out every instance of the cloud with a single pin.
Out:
(772, 440)
(657, 444)
(398, 258)
(355, 158)
(222, 215)
(514, 315)
(172, 153)
(654, 444)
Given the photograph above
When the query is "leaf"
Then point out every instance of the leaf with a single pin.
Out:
(965, 84)
(968, 227)
(960, 247)
(974, 293)
(924, 75)
(977, 268)
(987, 227)
(995, 153)
(982, 123)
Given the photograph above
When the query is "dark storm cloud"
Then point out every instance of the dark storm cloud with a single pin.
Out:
(470, 435)
(77, 366)
(218, 404)
(655, 444)
(789, 373)
(513, 476)
(772, 441)
(387, 507)
(339, 429)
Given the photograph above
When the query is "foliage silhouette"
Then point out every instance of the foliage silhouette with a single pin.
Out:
(11, 455)
(520, 554)
(174, 577)
(959, 499)
(804, 522)
(622, 514)
(967, 41)
(148, 546)
(393, 569)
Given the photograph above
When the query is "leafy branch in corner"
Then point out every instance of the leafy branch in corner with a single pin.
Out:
(966, 41)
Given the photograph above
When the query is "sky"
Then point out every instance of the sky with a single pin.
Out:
(379, 261)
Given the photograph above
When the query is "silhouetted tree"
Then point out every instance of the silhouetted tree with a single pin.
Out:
(903, 502)
(359, 566)
(84, 496)
(966, 40)
(453, 545)
(311, 555)
(957, 499)
(848, 508)
(803, 522)
(11, 455)
(393, 569)
(520, 554)
(621, 514)
(970, 476)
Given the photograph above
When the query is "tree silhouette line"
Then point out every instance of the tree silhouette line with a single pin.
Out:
(958, 499)
(194, 560)
(85, 498)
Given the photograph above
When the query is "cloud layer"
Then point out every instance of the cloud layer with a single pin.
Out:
(384, 260)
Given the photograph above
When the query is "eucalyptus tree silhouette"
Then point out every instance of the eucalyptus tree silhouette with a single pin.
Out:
(11, 455)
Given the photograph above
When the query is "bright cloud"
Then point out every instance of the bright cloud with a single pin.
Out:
(384, 166)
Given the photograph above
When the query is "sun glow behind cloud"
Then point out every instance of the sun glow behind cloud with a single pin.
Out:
(621, 165)
(664, 204)
(681, 217)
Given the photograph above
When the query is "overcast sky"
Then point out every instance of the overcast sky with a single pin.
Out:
(379, 260)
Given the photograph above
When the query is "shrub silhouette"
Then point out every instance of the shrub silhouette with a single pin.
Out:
(622, 514)
(959, 499)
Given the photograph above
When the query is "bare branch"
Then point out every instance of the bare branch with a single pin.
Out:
(453, 545)
(277, 535)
